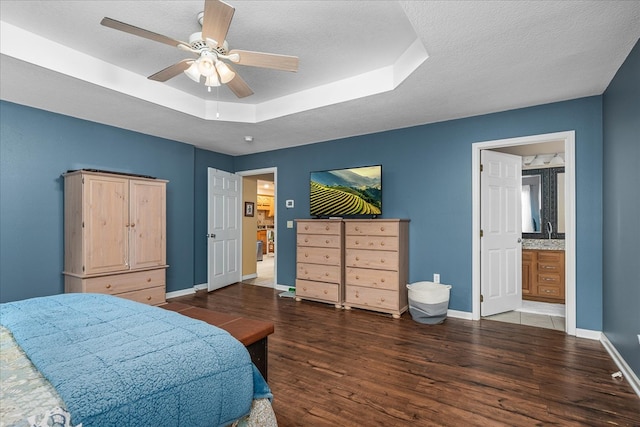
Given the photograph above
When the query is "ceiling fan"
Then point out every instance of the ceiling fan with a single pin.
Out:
(211, 49)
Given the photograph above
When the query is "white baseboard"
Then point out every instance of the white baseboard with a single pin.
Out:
(589, 334)
(460, 314)
(282, 287)
(188, 291)
(626, 370)
(250, 276)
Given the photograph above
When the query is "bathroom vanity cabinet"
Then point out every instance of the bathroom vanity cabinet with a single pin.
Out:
(543, 275)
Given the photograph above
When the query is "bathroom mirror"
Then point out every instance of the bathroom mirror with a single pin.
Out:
(543, 203)
(531, 203)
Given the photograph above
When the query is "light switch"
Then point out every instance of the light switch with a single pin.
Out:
(289, 204)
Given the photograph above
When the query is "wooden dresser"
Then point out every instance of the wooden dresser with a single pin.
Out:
(319, 261)
(543, 275)
(114, 235)
(377, 265)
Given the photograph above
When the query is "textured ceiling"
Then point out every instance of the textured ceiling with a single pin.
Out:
(363, 64)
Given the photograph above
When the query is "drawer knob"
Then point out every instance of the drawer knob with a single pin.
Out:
(306, 227)
(382, 261)
(306, 255)
(381, 228)
(357, 294)
(148, 279)
(326, 256)
(327, 241)
(357, 242)
(357, 258)
(304, 288)
(326, 292)
(108, 286)
(326, 274)
(381, 299)
(326, 228)
(306, 240)
(357, 277)
(357, 228)
(148, 298)
(382, 280)
(381, 243)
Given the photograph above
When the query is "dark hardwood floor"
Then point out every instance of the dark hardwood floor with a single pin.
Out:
(331, 367)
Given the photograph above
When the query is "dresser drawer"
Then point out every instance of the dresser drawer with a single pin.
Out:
(318, 240)
(373, 228)
(319, 227)
(319, 272)
(326, 256)
(382, 260)
(370, 297)
(380, 279)
(126, 282)
(388, 243)
(152, 296)
(317, 290)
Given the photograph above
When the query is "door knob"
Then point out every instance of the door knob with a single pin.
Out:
(519, 240)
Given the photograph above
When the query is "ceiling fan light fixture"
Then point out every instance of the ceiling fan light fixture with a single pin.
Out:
(206, 64)
(212, 81)
(192, 72)
(226, 75)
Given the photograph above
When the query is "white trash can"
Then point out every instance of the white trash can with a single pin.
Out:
(428, 302)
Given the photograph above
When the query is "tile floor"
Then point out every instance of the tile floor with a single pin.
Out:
(541, 315)
(265, 271)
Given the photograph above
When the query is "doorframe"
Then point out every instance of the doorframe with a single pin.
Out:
(570, 217)
(252, 172)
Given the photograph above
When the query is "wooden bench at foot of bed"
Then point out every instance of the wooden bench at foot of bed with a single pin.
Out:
(252, 333)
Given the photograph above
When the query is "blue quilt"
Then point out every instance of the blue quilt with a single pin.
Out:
(116, 362)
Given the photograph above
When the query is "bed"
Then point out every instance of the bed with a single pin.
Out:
(104, 361)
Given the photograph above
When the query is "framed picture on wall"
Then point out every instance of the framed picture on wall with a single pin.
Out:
(248, 208)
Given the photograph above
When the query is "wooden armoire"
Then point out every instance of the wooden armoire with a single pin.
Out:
(115, 235)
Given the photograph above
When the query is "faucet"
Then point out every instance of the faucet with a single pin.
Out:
(549, 229)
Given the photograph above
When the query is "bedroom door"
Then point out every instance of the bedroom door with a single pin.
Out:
(501, 232)
(224, 232)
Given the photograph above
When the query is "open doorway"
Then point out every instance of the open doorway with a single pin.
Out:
(259, 234)
(537, 142)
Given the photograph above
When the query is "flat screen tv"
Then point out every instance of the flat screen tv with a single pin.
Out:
(346, 192)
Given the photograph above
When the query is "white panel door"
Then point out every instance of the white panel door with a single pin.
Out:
(224, 229)
(501, 225)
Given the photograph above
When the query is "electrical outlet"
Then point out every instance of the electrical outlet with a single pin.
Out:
(289, 224)
(436, 278)
(638, 338)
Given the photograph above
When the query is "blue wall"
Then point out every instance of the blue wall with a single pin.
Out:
(36, 147)
(427, 178)
(621, 181)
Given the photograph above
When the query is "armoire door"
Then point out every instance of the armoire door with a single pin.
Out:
(105, 224)
(147, 226)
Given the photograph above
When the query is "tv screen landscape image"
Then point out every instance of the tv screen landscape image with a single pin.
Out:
(346, 192)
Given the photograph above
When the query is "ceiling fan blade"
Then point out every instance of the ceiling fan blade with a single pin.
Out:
(266, 60)
(216, 20)
(172, 71)
(239, 86)
(117, 25)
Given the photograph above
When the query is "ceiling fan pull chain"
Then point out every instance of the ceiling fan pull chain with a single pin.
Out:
(217, 102)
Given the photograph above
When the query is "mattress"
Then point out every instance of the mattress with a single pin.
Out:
(124, 363)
